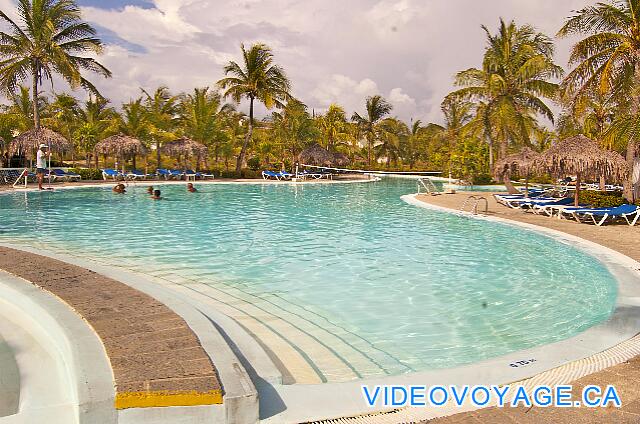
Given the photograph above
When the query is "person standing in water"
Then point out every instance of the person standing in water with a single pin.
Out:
(41, 163)
(191, 188)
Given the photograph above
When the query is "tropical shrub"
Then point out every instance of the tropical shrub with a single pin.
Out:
(482, 179)
(254, 163)
(88, 173)
(599, 199)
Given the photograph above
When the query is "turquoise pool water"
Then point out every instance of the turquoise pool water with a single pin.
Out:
(412, 288)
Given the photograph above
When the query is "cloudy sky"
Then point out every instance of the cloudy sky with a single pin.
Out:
(333, 50)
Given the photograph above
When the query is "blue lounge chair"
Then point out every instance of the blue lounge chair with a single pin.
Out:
(72, 175)
(578, 212)
(190, 173)
(267, 175)
(516, 202)
(630, 213)
(177, 174)
(111, 173)
(207, 174)
(161, 172)
(536, 205)
(59, 174)
(505, 198)
(136, 175)
(284, 175)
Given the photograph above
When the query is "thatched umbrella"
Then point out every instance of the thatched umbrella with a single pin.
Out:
(340, 159)
(121, 146)
(316, 155)
(185, 147)
(522, 163)
(30, 141)
(582, 157)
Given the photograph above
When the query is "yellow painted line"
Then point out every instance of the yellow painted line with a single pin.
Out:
(167, 398)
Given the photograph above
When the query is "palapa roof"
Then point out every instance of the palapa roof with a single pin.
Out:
(316, 155)
(341, 159)
(523, 162)
(184, 146)
(319, 156)
(30, 140)
(581, 155)
(120, 145)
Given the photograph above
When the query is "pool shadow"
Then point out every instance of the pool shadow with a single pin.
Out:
(269, 401)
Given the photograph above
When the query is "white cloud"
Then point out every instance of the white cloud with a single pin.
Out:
(343, 90)
(334, 51)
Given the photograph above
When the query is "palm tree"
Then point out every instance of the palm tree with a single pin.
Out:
(63, 117)
(96, 121)
(134, 122)
(333, 125)
(607, 63)
(50, 40)
(393, 134)
(203, 116)
(377, 109)
(457, 114)
(162, 113)
(293, 128)
(415, 143)
(20, 108)
(510, 88)
(259, 78)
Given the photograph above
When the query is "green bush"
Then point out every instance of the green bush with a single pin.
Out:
(88, 173)
(482, 179)
(249, 173)
(599, 199)
(541, 179)
(254, 163)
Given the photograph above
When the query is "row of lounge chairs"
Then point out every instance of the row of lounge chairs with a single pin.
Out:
(167, 174)
(9, 176)
(284, 175)
(539, 202)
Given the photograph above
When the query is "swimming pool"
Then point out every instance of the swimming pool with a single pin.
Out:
(348, 276)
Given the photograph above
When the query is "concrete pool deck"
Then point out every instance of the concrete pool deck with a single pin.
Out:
(153, 357)
(624, 376)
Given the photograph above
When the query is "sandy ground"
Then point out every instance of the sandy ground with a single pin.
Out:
(625, 377)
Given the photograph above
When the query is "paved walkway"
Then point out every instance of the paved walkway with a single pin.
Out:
(625, 377)
(156, 358)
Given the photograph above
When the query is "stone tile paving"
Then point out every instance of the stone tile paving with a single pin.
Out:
(156, 358)
(625, 377)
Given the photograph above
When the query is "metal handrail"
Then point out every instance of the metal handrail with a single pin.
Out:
(428, 185)
(477, 199)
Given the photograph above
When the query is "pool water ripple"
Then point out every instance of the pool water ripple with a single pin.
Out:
(385, 287)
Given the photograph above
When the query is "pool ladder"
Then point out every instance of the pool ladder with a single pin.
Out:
(478, 200)
(427, 185)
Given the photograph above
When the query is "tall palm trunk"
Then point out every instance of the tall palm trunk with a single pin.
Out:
(632, 147)
(370, 147)
(243, 152)
(503, 149)
(628, 183)
(158, 160)
(36, 110)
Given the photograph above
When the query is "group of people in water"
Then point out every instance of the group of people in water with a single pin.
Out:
(155, 194)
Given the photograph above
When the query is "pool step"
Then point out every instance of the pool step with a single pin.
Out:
(309, 347)
(310, 353)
